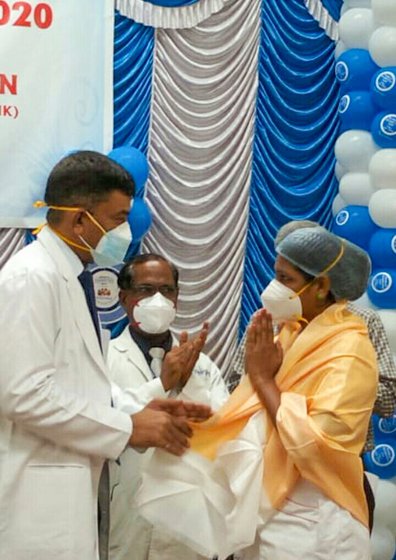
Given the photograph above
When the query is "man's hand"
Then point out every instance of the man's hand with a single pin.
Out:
(196, 345)
(195, 412)
(164, 424)
(179, 362)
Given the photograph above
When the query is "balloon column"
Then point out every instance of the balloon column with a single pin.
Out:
(135, 162)
(112, 315)
(365, 208)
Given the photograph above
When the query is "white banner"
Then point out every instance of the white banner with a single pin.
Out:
(56, 94)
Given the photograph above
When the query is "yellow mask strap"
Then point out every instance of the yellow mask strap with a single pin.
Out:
(95, 221)
(42, 204)
(335, 261)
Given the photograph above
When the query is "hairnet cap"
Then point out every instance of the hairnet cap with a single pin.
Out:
(313, 249)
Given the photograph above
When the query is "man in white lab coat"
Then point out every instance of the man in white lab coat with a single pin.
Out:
(57, 425)
(140, 358)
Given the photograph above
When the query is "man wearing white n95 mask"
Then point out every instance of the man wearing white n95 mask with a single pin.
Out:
(142, 357)
(57, 422)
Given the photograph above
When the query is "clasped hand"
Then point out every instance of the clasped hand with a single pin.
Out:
(164, 423)
(179, 362)
(263, 356)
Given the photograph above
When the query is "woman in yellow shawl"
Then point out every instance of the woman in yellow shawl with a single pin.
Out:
(280, 464)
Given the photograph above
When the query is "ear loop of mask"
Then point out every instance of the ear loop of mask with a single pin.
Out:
(42, 204)
(327, 269)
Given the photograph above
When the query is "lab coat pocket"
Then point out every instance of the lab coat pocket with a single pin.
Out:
(54, 513)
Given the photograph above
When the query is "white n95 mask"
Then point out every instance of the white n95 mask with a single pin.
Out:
(154, 314)
(282, 302)
(112, 246)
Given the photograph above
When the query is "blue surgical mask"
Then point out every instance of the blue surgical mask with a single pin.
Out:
(112, 246)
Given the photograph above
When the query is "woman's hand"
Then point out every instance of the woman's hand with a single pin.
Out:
(263, 359)
(263, 356)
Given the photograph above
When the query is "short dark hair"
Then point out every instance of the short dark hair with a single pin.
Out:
(125, 277)
(85, 178)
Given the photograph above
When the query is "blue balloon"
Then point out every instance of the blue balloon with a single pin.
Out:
(381, 460)
(382, 248)
(139, 219)
(385, 429)
(383, 130)
(354, 69)
(382, 288)
(383, 88)
(134, 161)
(354, 223)
(356, 110)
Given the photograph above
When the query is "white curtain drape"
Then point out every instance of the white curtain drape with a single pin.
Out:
(324, 19)
(169, 18)
(202, 126)
(11, 240)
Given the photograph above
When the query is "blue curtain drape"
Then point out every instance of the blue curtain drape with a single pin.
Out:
(133, 68)
(296, 128)
(333, 7)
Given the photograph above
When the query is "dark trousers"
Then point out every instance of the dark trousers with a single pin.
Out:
(370, 501)
(104, 512)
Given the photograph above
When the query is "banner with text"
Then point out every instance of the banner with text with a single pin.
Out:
(56, 94)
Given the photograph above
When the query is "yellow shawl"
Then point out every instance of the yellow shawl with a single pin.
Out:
(328, 382)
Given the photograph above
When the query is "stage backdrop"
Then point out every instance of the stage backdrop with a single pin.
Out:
(56, 93)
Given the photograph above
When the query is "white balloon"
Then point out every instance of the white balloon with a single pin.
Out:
(339, 171)
(348, 4)
(388, 318)
(354, 150)
(384, 11)
(382, 208)
(339, 49)
(355, 188)
(338, 204)
(382, 543)
(355, 28)
(382, 169)
(382, 46)
(385, 505)
(364, 301)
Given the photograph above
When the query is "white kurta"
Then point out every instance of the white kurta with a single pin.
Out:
(131, 537)
(56, 422)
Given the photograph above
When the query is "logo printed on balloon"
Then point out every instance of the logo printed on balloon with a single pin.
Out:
(342, 217)
(393, 244)
(383, 455)
(385, 81)
(387, 425)
(341, 71)
(388, 125)
(381, 282)
(344, 104)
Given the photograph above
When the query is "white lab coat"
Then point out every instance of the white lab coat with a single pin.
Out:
(56, 421)
(131, 537)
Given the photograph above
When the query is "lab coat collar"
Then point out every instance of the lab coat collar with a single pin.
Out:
(70, 266)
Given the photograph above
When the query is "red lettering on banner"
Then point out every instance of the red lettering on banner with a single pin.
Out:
(8, 84)
(10, 111)
(23, 14)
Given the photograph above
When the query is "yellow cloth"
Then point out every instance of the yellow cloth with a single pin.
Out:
(328, 382)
